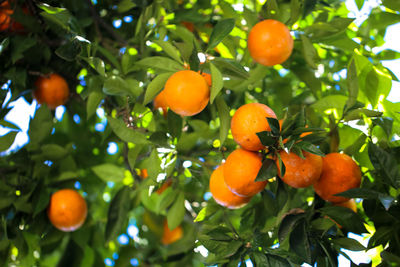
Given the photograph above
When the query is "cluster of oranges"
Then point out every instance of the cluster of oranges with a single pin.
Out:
(233, 183)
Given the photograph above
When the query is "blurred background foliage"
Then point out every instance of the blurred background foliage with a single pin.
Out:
(116, 57)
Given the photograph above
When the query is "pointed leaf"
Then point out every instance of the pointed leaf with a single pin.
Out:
(220, 31)
(176, 212)
(267, 171)
(216, 82)
(155, 86)
(118, 213)
(224, 117)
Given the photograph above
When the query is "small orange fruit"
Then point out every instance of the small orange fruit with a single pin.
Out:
(270, 42)
(188, 25)
(350, 204)
(67, 210)
(143, 174)
(248, 120)
(171, 236)
(164, 186)
(52, 90)
(300, 172)
(339, 173)
(240, 171)
(5, 16)
(221, 193)
(161, 103)
(186, 93)
(207, 77)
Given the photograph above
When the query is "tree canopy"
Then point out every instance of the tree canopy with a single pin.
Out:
(144, 170)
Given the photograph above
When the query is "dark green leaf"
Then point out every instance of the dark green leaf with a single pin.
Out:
(93, 102)
(259, 259)
(225, 118)
(390, 257)
(392, 4)
(109, 172)
(299, 242)
(274, 125)
(174, 124)
(155, 86)
(53, 152)
(7, 140)
(346, 218)
(359, 113)
(160, 63)
(365, 193)
(352, 85)
(287, 225)
(309, 52)
(118, 213)
(266, 138)
(70, 50)
(220, 31)
(170, 50)
(385, 163)
(348, 243)
(176, 213)
(115, 85)
(216, 82)
(267, 171)
(41, 125)
(230, 66)
(126, 134)
(310, 148)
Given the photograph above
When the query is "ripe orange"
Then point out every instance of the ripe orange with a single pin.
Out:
(339, 173)
(270, 42)
(143, 173)
(187, 92)
(164, 186)
(221, 193)
(169, 236)
(52, 90)
(248, 120)
(161, 103)
(5, 13)
(207, 77)
(350, 204)
(67, 210)
(300, 172)
(240, 171)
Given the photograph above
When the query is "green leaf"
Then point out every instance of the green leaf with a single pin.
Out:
(53, 151)
(216, 82)
(230, 66)
(160, 63)
(309, 52)
(266, 138)
(377, 83)
(118, 213)
(115, 85)
(287, 225)
(170, 50)
(155, 86)
(176, 212)
(392, 4)
(97, 64)
(359, 4)
(125, 5)
(267, 171)
(385, 163)
(40, 199)
(330, 102)
(310, 148)
(348, 243)
(7, 140)
(352, 85)
(20, 45)
(359, 113)
(206, 212)
(93, 102)
(274, 125)
(346, 218)
(109, 172)
(299, 242)
(126, 134)
(224, 117)
(175, 123)
(220, 31)
(41, 125)
(365, 193)
(70, 50)
(391, 258)
(133, 154)
(55, 15)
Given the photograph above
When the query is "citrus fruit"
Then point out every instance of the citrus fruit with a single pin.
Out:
(52, 90)
(171, 236)
(269, 42)
(248, 120)
(186, 92)
(164, 186)
(143, 173)
(67, 210)
(188, 25)
(240, 171)
(300, 172)
(161, 103)
(350, 204)
(339, 173)
(5, 16)
(207, 77)
(221, 193)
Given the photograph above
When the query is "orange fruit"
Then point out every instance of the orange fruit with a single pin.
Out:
(164, 186)
(248, 120)
(221, 193)
(300, 172)
(143, 173)
(207, 77)
(269, 42)
(171, 236)
(52, 90)
(186, 92)
(188, 25)
(240, 171)
(350, 204)
(67, 210)
(5, 16)
(339, 173)
(161, 103)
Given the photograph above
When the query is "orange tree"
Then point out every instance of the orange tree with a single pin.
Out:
(319, 76)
